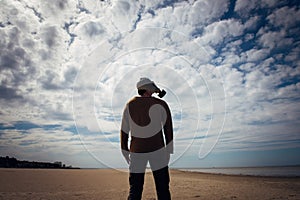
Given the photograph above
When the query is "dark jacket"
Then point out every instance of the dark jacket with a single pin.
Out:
(136, 113)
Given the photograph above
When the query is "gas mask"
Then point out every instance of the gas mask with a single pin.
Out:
(161, 93)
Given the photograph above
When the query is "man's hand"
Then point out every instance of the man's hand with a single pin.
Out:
(126, 156)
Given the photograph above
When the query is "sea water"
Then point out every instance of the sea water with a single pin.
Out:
(285, 171)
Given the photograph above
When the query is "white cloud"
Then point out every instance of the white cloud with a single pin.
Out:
(252, 23)
(124, 15)
(39, 143)
(285, 17)
(270, 3)
(254, 55)
(293, 56)
(100, 49)
(217, 32)
(205, 11)
(273, 39)
(243, 7)
(56, 11)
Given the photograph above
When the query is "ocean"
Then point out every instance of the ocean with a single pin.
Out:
(282, 171)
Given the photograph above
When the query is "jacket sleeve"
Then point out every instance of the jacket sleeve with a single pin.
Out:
(168, 130)
(125, 128)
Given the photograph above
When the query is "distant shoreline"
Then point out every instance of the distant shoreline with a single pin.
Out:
(270, 166)
(11, 162)
(274, 171)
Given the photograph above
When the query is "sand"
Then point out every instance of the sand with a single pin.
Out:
(67, 184)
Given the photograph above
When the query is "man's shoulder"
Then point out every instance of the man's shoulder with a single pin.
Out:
(155, 100)
(158, 100)
(132, 100)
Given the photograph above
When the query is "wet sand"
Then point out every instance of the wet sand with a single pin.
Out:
(67, 184)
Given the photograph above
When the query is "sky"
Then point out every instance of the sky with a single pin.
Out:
(231, 69)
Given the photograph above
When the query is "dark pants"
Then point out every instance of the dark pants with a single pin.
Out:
(160, 171)
(161, 178)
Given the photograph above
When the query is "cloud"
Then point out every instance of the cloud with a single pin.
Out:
(206, 12)
(254, 55)
(244, 8)
(15, 62)
(9, 93)
(81, 59)
(217, 32)
(275, 40)
(38, 143)
(285, 17)
(49, 35)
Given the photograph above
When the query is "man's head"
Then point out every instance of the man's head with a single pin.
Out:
(146, 86)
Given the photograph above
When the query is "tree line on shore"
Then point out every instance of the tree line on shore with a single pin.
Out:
(7, 162)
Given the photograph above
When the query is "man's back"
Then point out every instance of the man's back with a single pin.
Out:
(141, 113)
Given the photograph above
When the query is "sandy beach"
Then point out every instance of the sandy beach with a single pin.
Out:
(62, 184)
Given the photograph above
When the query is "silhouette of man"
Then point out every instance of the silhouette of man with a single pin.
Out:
(148, 121)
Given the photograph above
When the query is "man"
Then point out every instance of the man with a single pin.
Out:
(148, 121)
